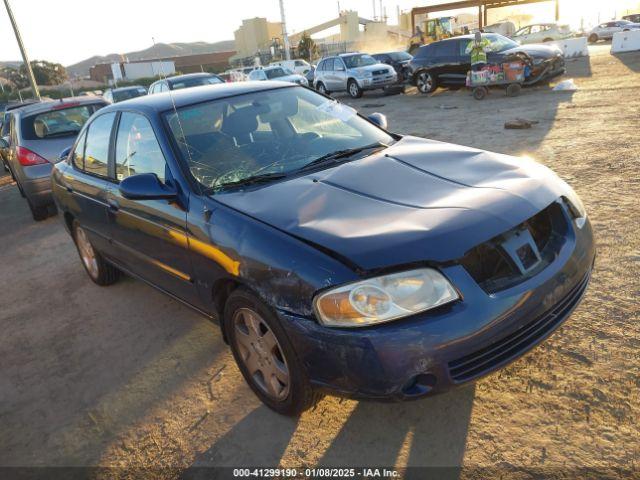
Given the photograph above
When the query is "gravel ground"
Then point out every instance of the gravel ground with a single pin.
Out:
(126, 377)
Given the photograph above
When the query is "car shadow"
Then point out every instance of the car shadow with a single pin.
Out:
(435, 430)
(424, 435)
(630, 59)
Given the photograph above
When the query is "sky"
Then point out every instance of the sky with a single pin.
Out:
(68, 31)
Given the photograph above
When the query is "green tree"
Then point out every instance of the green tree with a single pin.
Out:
(307, 48)
(46, 73)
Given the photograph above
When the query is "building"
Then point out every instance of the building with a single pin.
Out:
(204, 62)
(256, 35)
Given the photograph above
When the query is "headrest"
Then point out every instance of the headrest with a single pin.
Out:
(241, 122)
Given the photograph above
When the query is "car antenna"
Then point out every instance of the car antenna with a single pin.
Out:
(163, 77)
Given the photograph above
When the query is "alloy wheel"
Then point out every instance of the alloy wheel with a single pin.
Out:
(261, 353)
(425, 82)
(87, 253)
(353, 89)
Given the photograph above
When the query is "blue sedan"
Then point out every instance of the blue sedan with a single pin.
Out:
(336, 256)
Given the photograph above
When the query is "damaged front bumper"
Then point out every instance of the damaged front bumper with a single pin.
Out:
(435, 351)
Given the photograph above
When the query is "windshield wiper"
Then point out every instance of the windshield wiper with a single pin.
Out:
(334, 157)
(252, 180)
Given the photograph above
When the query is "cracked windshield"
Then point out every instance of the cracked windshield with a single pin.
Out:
(280, 131)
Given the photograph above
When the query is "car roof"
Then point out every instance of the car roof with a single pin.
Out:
(49, 105)
(164, 101)
(14, 106)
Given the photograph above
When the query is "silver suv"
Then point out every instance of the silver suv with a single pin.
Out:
(353, 73)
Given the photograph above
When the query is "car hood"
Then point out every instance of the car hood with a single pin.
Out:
(536, 51)
(418, 200)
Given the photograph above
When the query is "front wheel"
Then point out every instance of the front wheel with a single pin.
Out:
(426, 82)
(101, 272)
(354, 89)
(322, 89)
(265, 356)
(593, 38)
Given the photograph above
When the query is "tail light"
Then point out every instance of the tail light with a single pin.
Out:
(27, 158)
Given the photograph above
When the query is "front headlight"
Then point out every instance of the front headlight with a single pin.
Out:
(382, 299)
(577, 209)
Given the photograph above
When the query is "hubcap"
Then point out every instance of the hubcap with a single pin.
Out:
(87, 254)
(354, 90)
(425, 82)
(261, 353)
(322, 89)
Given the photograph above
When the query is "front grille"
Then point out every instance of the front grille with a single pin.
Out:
(493, 269)
(380, 72)
(503, 351)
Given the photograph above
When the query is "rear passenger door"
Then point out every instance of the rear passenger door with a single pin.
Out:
(90, 183)
(149, 235)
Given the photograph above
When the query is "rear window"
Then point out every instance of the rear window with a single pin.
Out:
(122, 95)
(194, 82)
(61, 122)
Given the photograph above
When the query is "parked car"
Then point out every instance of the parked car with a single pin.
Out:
(605, 31)
(299, 66)
(399, 61)
(352, 73)
(337, 257)
(278, 73)
(179, 82)
(37, 135)
(541, 33)
(4, 129)
(446, 63)
(115, 95)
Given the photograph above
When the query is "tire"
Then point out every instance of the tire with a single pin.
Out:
(426, 82)
(479, 93)
(593, 38)
(547, 40)
(513, 90)
(38, 213)
(354, 89)
(101, 272)
(265, 355)
(322, 89)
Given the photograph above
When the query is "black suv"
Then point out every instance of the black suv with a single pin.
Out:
(446, 63)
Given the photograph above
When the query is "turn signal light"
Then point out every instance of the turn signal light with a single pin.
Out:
(27, 158)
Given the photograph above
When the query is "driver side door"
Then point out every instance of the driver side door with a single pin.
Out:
(149, 235)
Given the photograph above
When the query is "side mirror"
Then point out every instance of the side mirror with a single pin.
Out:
(146, 186)
(64, 154)
(379, 119)
(4, 143)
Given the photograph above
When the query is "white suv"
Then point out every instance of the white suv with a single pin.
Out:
(353, 73)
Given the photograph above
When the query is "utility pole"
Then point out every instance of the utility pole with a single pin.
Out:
(285, 35)
(25, 59)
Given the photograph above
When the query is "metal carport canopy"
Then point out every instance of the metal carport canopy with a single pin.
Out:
(487, 4)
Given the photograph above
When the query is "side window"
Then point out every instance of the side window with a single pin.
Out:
(445, 49)
(338, 65)
(322, 66)
(298, 63)
(77, 157)
(137, 149)
(96, 154)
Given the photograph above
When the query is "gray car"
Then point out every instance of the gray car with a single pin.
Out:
(605, 31)
(353, 73)
(37, 134)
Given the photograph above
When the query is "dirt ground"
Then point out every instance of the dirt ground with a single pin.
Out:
(126, 377)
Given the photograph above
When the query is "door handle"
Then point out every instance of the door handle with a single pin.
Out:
(113, 206)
